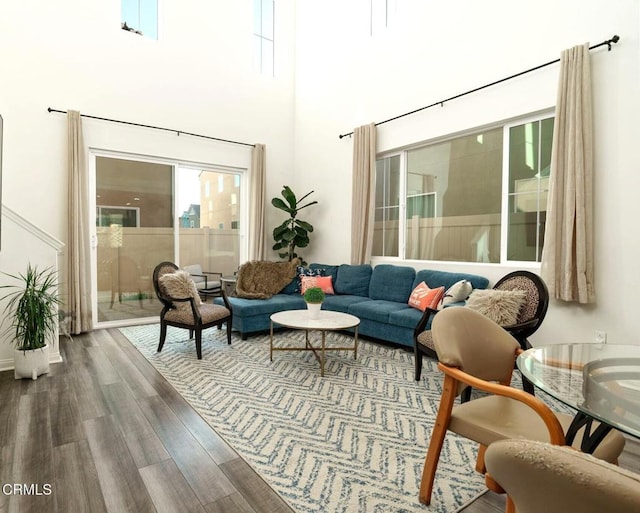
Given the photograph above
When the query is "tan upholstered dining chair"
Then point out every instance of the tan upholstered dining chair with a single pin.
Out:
(542, 477)
(474, 351)
(183, 308)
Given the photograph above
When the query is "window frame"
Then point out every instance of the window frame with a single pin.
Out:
(505, 125)
(260, 38)
(137, 29)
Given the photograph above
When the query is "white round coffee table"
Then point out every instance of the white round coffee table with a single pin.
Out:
(326, 321)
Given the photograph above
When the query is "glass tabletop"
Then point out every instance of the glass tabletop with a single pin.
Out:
(600, 380)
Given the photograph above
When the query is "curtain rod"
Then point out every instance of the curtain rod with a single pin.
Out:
(608, 42)
(178, 132)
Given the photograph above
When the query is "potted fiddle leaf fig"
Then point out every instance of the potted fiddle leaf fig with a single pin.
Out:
(314, 297)
(32, 313)
(293, 232)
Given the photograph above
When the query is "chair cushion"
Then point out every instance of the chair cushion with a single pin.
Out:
(488, 419)
(426, 339)
(179, 285)
(209, 313)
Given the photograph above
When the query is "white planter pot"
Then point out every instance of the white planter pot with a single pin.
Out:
(30, 364)
(314, 310)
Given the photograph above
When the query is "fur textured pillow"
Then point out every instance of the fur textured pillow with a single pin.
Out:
(180, 285)
(501, 306)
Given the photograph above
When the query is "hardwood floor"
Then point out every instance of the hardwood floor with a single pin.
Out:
(104, 432)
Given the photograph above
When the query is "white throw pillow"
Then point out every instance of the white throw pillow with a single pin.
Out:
(459, 291)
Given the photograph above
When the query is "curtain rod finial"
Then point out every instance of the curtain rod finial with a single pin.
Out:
(614, 39)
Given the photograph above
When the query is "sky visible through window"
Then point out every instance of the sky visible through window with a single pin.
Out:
(141, 15)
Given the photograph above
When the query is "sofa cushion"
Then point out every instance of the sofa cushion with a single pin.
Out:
(448, 279)
(406, 318)
(353, 280)
(377, 309)
(341, 303)
(391, 282)
(242, 307)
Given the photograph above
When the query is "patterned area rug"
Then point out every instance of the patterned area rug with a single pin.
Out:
(352, 441)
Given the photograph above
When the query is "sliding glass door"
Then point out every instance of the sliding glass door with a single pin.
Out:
(147, 212)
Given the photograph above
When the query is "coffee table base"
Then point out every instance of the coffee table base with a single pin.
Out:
(318, 352)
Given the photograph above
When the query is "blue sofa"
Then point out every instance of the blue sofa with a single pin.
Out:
(376, 295)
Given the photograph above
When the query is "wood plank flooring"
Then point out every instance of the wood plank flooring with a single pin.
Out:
(109, 434)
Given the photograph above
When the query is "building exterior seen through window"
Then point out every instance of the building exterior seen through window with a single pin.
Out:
(141, 17)
(478, 197)
(150, 211)
(263, 36)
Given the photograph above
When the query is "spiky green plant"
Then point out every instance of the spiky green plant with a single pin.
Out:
(293, 233)
(32, 307)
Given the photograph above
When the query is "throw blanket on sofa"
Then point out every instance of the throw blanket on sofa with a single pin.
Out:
(260, 279)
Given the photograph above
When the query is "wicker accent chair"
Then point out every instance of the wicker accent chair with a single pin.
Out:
(474, 351)
(186, 310)
(541, 477)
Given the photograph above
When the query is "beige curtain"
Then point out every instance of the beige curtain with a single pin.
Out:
(257, 193)
(363, 194)
(567, 256)
(78, 263)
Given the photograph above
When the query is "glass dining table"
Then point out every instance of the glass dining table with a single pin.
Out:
(600, 381)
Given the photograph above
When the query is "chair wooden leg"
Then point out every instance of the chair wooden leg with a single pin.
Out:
(418, 364)
(480, 466)
(511, 507)
(163, 335)
(437, 439)
(199, 344)
(190, 334)
(229, 331)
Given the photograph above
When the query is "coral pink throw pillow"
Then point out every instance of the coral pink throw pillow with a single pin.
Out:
(423, 297)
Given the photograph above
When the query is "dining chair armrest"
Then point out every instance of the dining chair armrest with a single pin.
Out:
(194, 308)
(556, 432)
(213, 273)
(422, 323)
(522, 325)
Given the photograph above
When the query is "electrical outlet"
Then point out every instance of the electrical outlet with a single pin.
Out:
(601, 337)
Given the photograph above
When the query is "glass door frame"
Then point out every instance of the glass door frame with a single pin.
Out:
(93, 154)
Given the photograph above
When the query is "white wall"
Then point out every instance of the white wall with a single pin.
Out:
(19, 238)
(345, 78)
(198, 77)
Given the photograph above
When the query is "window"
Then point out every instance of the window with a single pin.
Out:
(444, 201)
(382, 12)
(141, 17)
(263, 42)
